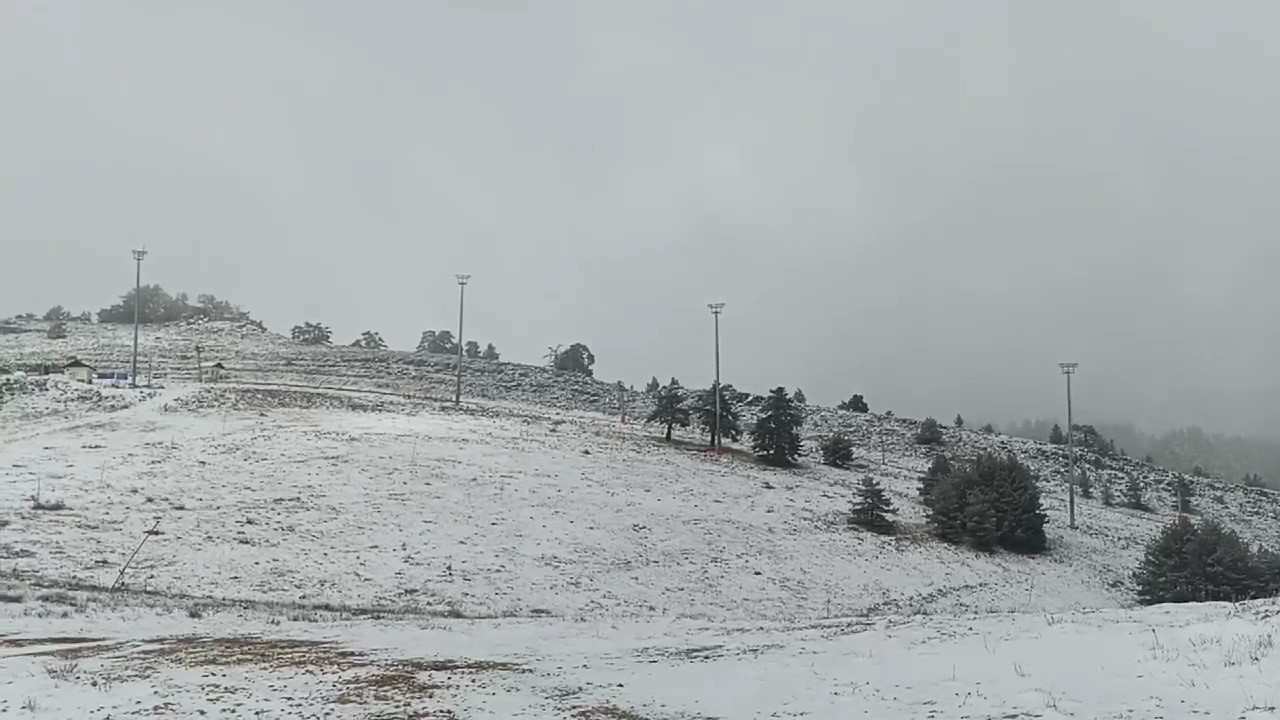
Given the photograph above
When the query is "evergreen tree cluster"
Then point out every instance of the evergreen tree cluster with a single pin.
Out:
(1204, 562)
(704, 413)
(987, 502)
(1134, 495)
(57, 313)
(855, 403)
(442, 342)
(837, 450)
(577, 358)
(158, 306)
(309, 333)
(370, 340)
(930, 432)
(1056, 436)
(675, 407)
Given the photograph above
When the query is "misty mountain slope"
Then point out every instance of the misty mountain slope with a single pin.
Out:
(289, 495)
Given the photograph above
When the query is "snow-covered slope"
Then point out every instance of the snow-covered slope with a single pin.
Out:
(533, 527)
(168, 352)
(90, 661)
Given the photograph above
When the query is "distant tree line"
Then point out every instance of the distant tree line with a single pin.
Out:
(158, 306)
(442, 342)
(1253, 460)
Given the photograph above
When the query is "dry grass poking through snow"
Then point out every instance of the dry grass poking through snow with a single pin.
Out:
(408, 688)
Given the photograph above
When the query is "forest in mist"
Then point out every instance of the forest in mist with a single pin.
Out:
(1230, 457)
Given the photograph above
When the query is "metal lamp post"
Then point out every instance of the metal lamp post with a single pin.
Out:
(716, 309)
(462, 297)
(138, 255)
(1069, 369)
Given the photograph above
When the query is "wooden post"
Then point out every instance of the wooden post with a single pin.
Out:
(199, 367)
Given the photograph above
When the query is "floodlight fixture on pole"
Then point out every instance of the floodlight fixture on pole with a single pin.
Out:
(462, 296)
(138, 255)
(716, 309)
(1069, 369)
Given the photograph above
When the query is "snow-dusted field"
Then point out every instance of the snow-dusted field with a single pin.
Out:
(92, 661)
(371, 552)
(290, 496)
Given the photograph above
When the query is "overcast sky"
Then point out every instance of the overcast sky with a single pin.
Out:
(932, 203)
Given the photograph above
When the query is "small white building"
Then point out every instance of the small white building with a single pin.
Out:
(79, 371)
(213, 372)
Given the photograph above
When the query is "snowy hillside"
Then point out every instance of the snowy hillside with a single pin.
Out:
(531, 555)
(254, 355)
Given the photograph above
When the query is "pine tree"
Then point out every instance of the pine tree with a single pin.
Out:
(989, 429)
(704, 412)
(1056, 437)
(490, 352)
(472, 349)
(653, 387)
(1182, 494)
(1203, 563)
(930, 432)
(959, 421)
(775, 438)
(370, 340)
(1164, 574)
(980, 521)
(837, 450)
(1197, 471)
(947, 503)
(576, 358)
(799, 398)
(311, 334)
(1149, 460)
(670, 408)
(989, 501)
(939, 470)
(871, 509)
(437, 342)
(56, 331)
(1085, 483)
(1020, 517)
(1133, 494)
(856, 403)
(1107, 495)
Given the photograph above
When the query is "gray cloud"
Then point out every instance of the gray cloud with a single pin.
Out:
(931, 203)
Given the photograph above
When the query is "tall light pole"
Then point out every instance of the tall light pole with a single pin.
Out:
(716, 309)
(1069, 369)
(137, 303)
(462, 296)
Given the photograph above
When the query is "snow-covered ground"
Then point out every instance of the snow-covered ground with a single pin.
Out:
(295, 496)
(85, 660)
(374, 552)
